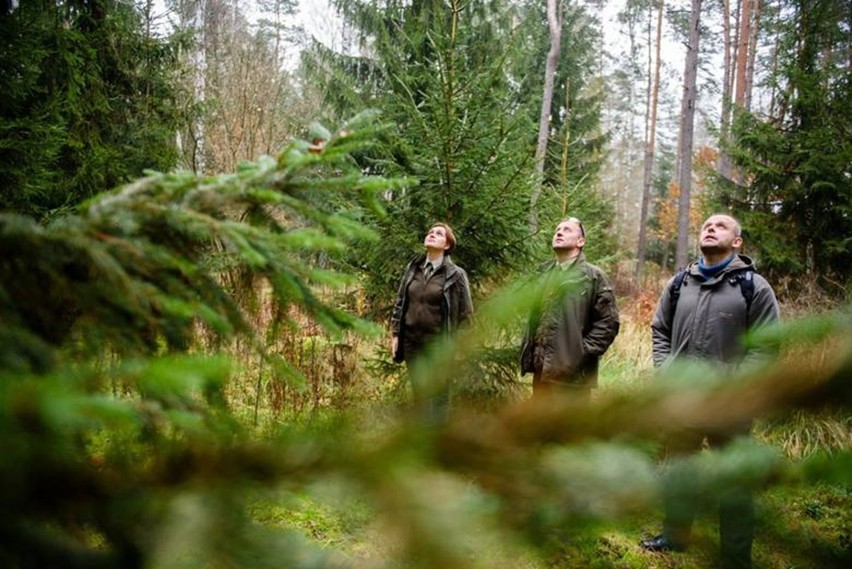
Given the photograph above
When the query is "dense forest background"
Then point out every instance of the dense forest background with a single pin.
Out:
(206, 207)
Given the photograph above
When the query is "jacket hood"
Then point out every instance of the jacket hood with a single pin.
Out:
(747, 262)
(738, 263)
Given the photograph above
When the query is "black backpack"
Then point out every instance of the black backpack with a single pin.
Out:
(743, 277)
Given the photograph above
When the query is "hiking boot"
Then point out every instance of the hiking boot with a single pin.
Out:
(660, 543)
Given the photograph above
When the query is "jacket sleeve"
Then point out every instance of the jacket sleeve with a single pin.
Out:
(466, 308)
(396, 315)
(465, 301)
(763, 312)
(661, 327)
(525, 356)
(603, 319)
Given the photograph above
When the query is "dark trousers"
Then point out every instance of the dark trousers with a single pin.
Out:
(575, 393)
(431, 393)
(683, 496)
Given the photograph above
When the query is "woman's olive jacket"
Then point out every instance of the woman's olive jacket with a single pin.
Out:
(574, 322)
(456, 307)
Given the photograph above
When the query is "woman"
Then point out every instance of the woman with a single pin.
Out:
(433, 299)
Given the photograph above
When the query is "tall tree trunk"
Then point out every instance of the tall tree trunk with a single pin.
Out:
(650, 142)
(743, 40)
(199, 63)
(752, 53)
(566, 144)
(449, 89)
(687, 125)
(269, 143)
(723, 164)
(554, 24)
(774, 93)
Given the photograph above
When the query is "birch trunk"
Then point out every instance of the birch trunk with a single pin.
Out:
(199, 63)
(554, 24)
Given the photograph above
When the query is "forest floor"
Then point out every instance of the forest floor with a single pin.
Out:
(801, 528)
(798, 527)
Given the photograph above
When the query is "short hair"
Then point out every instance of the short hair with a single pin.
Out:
(448, 231)
(578, 222)
(738, 228)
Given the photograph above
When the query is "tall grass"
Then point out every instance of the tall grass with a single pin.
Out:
(801, 434)
(628, 362)
(347, 374)
(351, 372)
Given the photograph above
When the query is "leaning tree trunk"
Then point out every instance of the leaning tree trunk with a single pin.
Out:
(554, 24)
(651, 129)
(687, 125)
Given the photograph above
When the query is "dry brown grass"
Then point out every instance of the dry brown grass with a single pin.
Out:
(628, 361)
(801, 433)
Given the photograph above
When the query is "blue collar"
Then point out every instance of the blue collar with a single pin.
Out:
(713, 270)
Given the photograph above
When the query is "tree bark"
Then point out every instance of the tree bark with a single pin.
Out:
(199, 63)
(744, 38)
(752, 53)
(554, 24)
(566, 145)
(650, 143)
(723, 164)
(687, 125)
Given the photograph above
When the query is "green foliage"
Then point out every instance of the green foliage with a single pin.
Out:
(86, 301)
(438, 75)
(576, 145)
(130, 273)
(122, 449)
(797, 206)
(463, 85)
(89, 102)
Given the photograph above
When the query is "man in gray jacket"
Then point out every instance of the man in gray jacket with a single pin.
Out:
(703, 313)
(573, 323)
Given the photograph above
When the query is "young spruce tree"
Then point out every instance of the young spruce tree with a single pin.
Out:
(438, 73)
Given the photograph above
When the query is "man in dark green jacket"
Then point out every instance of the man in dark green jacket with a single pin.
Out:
(703, 314)
(574, 321)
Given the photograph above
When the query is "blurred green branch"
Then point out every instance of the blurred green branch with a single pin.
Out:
(120, 449)
(132, 271)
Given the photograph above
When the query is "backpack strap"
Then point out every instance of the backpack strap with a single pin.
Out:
(745, 278)
(674, 288)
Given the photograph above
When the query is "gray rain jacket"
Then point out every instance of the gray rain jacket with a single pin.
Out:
(711, 316)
